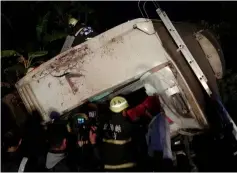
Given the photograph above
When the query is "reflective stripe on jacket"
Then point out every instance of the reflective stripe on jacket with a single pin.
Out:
(118, 148)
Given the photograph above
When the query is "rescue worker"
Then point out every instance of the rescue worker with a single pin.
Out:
(158, 137)
(80, 31)
(119, 152)
(118, 148)
(14, 159)
(86, 152)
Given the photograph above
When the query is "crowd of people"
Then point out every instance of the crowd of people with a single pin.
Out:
(115, 141)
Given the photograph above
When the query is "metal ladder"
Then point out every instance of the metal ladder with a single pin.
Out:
(185, 51)
(193, 64)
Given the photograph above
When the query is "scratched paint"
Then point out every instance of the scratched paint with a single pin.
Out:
(102, 63)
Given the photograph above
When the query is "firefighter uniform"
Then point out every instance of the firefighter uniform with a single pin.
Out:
(118, 150)
(80, 31)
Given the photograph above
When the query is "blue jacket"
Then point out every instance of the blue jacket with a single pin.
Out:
(158, 136)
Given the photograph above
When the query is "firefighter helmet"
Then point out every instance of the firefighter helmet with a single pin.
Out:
(72, 22)
(118, 104)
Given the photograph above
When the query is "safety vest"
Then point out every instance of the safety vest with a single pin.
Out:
(118, 149)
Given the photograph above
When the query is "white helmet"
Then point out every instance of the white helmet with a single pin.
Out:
(72, 22)
(118, 104)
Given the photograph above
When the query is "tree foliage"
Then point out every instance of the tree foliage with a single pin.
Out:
(50, 23)
(9, 53)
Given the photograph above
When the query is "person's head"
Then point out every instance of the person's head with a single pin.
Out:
(118, 104)
(12, 140)
(54, 115)
(92, 106)
(57, 136)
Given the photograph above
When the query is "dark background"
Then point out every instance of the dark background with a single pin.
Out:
(23, 17)
(19, 21)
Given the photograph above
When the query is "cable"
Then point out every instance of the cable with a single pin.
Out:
(140, 8)
(144, 8)
(156, 4)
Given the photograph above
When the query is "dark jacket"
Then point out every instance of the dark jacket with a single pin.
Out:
(87, 158)
(11, 162)
(81, 33)
(118, 149)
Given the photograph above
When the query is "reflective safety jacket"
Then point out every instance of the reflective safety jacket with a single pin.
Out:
(118, 149)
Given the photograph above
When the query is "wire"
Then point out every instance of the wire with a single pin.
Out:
(138, 4)
(156, 4)
(144, 8)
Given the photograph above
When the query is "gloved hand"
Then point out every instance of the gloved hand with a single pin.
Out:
(152, 104)
(150, 107)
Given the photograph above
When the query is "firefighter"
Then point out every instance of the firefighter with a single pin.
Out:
(80, 31)
(118, 151)
(118, 148)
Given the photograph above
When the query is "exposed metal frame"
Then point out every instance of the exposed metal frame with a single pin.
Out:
(185, 51)
(193, 64)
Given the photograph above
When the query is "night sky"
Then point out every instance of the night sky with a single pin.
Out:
(109, 14)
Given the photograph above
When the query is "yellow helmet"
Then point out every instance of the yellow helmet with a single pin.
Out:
(72, 22)
(118, 104)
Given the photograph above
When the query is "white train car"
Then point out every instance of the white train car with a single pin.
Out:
(135, 54)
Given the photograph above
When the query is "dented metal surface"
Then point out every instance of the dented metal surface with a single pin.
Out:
(64, 63)
(163, 81)
(107, 63)
(111, 58)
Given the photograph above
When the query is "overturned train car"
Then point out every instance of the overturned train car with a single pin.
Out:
(138, 53)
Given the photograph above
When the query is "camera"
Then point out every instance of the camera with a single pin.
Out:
(80, 121)
(81, 124)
